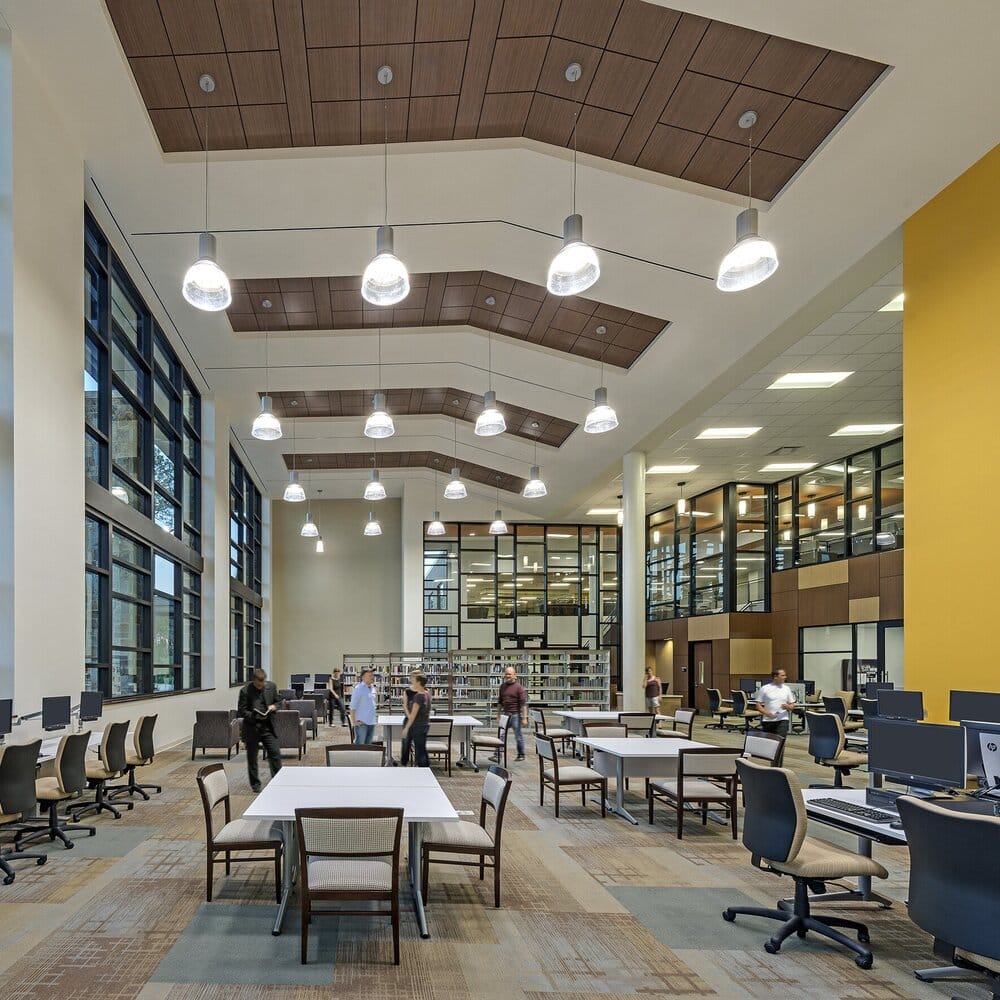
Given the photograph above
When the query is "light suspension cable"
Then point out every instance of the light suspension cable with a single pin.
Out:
(294, 493)
(266, 426)
(455, 489)
(498, 525)
(372, 527)
(602, 417)
(379, 424)
(435, 528)
(534, 487)
(490, 421)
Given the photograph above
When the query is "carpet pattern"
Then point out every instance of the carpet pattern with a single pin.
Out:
(592, 909)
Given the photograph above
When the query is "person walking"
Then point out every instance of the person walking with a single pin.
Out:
(363, 712)
(774, 702)
(335, 696)
(418, 718)
(653, 689)
(513, 702)
(256, 707)
(407, 744)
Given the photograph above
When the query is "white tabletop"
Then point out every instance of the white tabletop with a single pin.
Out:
(855, 795)
(591, 716)
(458, 721)
(355, 777)
(642, 747)
(50, 746)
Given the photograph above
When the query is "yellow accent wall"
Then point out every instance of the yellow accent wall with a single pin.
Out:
(951, 426)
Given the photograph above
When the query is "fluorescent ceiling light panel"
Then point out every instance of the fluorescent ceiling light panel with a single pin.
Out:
(894, 305)
(725, 433)
(809, 380)
(864, 430)
(670, 470)
(602, 511)
(788, 466)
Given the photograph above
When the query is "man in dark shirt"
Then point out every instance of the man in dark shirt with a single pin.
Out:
(258, 702)
(513, 702)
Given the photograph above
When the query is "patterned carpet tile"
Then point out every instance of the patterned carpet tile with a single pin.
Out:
(58, 881)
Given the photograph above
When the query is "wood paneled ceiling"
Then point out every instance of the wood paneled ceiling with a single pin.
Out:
(433, 460)
(519, 309)
(457, 403)
(660, 89)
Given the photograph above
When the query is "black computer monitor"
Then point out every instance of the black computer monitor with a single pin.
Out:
(298, 679)
(810, 688)
(748, 685)
(901, 704)
(872, 688)
(975, 706)
(982, 742)
(91, 705)
(320, 680)
(6, 716)
(919, 754)
(299, 690)
(56, 712)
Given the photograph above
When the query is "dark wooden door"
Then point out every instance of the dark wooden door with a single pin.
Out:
(700, 675)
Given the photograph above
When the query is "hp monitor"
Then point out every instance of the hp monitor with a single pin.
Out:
(901, 704)
(983, 749)
(91, 705)
(975, 706)
(873, 687)
(918, 754)
(55, 712)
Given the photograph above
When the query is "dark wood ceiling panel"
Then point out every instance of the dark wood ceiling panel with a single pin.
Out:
(489, 69)
(495, 302)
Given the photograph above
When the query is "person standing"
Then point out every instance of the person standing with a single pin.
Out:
(335, 696)
(256, 707)
(407, 743)
(513, 702)
(418, 718)
(653, 689)
(774, 702)
(363, 712)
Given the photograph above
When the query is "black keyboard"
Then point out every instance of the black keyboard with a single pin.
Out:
(855, 810)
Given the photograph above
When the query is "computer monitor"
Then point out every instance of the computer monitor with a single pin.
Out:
(872, 688)
(320, 680)
(299, 690)
(91, 705)
(6, 717)
(298, 679)
(901, 704)
(982, 741)
(56, 712)
(810, 687)
(748, 685)
(919, 754)
(975, 706)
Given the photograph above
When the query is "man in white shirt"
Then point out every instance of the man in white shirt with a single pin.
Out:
(774, 702)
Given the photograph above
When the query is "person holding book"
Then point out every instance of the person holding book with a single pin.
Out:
(258, 702)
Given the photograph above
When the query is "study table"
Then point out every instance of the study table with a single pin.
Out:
(575, 721)
(393, 724)
(639, 757)
(415, 790)
(50, 746)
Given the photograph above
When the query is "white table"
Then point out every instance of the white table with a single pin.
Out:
(635, 758)
(575, 721)
(403, 788)
(50, 746)
(392, 724)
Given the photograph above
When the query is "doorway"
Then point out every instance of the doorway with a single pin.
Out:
(700, 677)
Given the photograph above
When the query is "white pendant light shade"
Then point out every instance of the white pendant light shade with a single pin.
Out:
(490, 422)
(205, 283)
(620, 517)
(266, 426)
(435, 527)
(374, 490)
(741, 508)
(575, 268)
(534, 487)
(309, 529)
(682, 506)
(455, 490)
(499, 525)
(386, 280)
(319, 545)
(294, 493)
(602, 417)
(751, 260)
(379, 424)
(372, 527)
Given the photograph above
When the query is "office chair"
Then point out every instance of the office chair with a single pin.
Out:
(774, 832)
(838, 706)
(716, 707)
(142, 756)
(826, 747)
(870, 707)
(109, 765)
(17, 797)
(742, 710)
(954, 887)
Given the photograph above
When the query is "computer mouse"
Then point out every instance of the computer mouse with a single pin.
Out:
(895, 826)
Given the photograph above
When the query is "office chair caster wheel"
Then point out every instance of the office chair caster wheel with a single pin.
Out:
(771, 948)
(864, 961)
(729, 916)
(801, 933)
(8, 880)
(863, 937)
(69, 846)
(41, 861)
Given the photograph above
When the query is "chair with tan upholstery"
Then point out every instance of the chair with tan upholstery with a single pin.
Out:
(638, 724)
(349, 855)
(110, 764)
(142, 755)
(260, 837)
(497, 745)
(605, 731)
(682, 726)
(542, 728)
(574, 777)
(67, 781)
(290, 728)
(826, 747)
(765, 748)
(774, 832)
(439, 741)
(464, 838)
(743, 712)
(355, 755)
(717, 706)
(705, 776)
(17, 797)
(839, 706)
(214, 730)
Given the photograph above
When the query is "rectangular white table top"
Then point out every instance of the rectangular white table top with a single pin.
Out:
(355, 777)
(642, 747)
(855, 795)
(592, 716)
(458, 721)
(50, 746)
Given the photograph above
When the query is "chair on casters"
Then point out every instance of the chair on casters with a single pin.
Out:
(838, 706)
(497, 745)
(355, 755)
(716, 707)
(17, 797)
(954, 888)
(742, 711)
(542, 728)
(142, 756)
(109, 765)
(774, 832)
(464, 838)
(826, 747)
(574, 776)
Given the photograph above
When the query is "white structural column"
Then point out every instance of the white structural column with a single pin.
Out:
(633, 579)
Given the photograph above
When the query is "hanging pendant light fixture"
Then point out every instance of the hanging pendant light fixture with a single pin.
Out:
(205, 284)
(742, 506)
(374, 490)
(534, 487)
(682, 504)
(490, 421)
(455, 489)
(498, 525)
(620, 513)
(319, 545)
(576, 267)
(309, 527)
(266, 426)
(379, 424)
(602, 417)
(372, 527)
(752, 259)
(435, 527)
(386, 280)
(294, 493)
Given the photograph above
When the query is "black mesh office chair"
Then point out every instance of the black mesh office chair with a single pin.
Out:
(826, 746)
(838, 706)
(954, 887)
(17, 797)
(716, 707)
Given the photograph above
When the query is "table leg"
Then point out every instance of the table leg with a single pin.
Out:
(618, 808)
(415, 836)
(463, 749)
(862, 894)
(289, 872)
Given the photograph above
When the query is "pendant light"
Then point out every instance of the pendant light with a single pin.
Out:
(379, 424)
(742, 506)
(386, 280)
(534, 487)
(682, 504)
(266, 426)
(374, 490)
(294, 493)
(372, 527)
(309, 527)
(205, 284)
(576, 267)
(319, 545)
(455, 490)
(435, 527)
(602, 417)
(498, 525)
(752, 259)
(620, 513)
(490, 421)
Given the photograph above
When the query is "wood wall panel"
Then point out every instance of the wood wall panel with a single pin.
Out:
(785, 632)
(785, 600)
(863, 576)
(823, 606)
(784, 581)
(891, 563)
(823, 574)
(891, 598)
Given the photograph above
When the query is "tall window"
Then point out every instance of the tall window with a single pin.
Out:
(142, 434)
(245, 561)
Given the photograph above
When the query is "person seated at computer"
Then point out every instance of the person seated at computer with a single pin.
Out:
(774, 702)
(335, 696)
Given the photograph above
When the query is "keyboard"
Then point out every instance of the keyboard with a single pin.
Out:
(855, 810)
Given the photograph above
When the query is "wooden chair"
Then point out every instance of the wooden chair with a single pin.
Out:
(638, 724)
(542, 728)
(236, 835)
(574, 776)
(349, 855)
(497, 745)
(765, 748)
(682, 727)
(439, 741)
(355, 755)
(601, 730)
(705, 776)
(464, 838)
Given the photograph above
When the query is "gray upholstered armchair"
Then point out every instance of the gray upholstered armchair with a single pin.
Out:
(306, 708)
(215, 731)
(290, 729)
